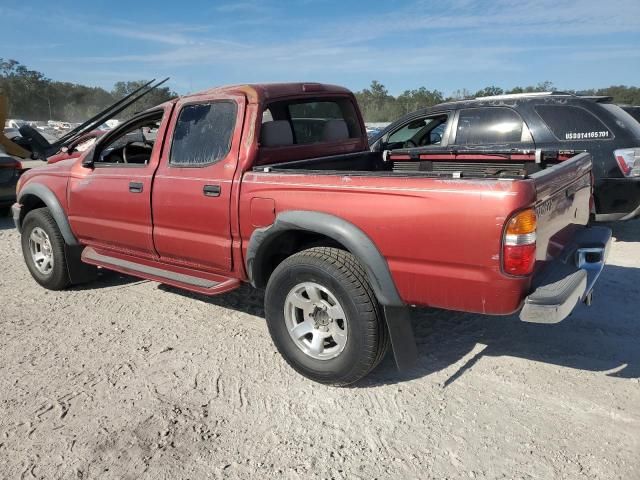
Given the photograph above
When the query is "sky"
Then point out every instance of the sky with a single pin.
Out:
(446, 45)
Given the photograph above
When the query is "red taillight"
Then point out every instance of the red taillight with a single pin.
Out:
(628, 161)
(519, 243)
(519, 259)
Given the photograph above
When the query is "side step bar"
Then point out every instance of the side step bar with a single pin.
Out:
(159, 272)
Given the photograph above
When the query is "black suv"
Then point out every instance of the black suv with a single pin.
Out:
(549, 121)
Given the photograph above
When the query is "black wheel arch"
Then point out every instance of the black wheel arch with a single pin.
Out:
(295, 230)
(36, 195)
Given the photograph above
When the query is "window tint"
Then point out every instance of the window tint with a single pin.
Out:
(572, 123)
(203, 133)
(477, 126)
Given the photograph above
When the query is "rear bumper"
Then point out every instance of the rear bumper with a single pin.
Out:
(568, 279)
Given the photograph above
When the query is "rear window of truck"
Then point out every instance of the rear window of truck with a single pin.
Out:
(569, 123)
(310, 121)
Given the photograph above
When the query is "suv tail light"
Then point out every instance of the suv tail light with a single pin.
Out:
(519, 243)
(629, 161)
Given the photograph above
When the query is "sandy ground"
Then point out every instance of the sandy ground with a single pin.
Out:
(130, 379)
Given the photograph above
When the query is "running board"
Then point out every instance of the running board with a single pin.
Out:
(207, 284)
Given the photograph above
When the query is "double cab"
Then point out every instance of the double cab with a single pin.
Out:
(275, 185)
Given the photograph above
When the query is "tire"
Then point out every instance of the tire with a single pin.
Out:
(316, 279)
(42, 226)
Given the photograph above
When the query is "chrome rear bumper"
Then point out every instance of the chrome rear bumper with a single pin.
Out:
(568, 279)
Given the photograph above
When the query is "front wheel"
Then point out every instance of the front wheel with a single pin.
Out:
(323, 316)
(43, 250)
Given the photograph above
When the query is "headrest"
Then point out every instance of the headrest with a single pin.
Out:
(276, 134)
(335, 130)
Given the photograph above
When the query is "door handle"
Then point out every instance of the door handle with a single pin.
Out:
(135, 187)
(211, 190)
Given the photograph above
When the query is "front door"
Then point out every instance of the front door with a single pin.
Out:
(110, 201)
(192, 187)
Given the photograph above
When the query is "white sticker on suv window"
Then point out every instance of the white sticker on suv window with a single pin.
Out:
(586, 135)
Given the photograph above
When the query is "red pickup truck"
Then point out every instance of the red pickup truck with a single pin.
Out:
(275, 185)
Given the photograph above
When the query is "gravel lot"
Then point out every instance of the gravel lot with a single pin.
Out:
(129, 379)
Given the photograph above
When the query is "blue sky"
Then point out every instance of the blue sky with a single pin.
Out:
(445, 44)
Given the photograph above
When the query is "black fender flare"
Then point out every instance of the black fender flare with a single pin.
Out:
(56, 210)
(362, 247)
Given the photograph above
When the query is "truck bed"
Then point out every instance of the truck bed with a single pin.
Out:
(507, 164)
(440, 234)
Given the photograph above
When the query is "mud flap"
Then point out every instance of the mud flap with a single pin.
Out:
(79, 272)
(403, 341)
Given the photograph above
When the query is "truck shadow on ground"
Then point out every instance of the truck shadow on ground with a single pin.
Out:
(601, 338)
(6, 222)
(628, 231)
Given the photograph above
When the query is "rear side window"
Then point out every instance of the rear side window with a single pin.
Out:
(478, 126)
(316, 121)
(567, 122)
(203, 134)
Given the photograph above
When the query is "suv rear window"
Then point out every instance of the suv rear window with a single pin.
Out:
(494, 125)
(567, 122)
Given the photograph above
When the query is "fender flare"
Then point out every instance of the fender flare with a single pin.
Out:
(362, 247)
(56, 210)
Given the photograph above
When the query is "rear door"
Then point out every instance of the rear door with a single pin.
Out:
(192, 186)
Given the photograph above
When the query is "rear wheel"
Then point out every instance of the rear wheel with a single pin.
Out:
(323, 316)
(43, 250)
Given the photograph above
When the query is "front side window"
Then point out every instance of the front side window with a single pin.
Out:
(494, 125)
(131, 145)
(567, 122)
(420, 132)
(203, 134)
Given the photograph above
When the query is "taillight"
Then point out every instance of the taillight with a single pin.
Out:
(519, 243)
(629, 161)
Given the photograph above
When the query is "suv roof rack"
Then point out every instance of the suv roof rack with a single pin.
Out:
(521, 95)
(507, 96)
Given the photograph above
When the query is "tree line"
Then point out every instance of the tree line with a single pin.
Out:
(378, 105)
(33, 96)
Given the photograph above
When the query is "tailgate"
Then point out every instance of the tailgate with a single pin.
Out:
(563, 203)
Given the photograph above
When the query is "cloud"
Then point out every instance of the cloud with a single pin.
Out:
(421, 39)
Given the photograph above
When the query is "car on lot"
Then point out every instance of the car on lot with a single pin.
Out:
(550, 121)
(10, 171)
(275, 185)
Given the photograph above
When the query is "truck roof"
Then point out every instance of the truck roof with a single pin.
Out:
(259, 92)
